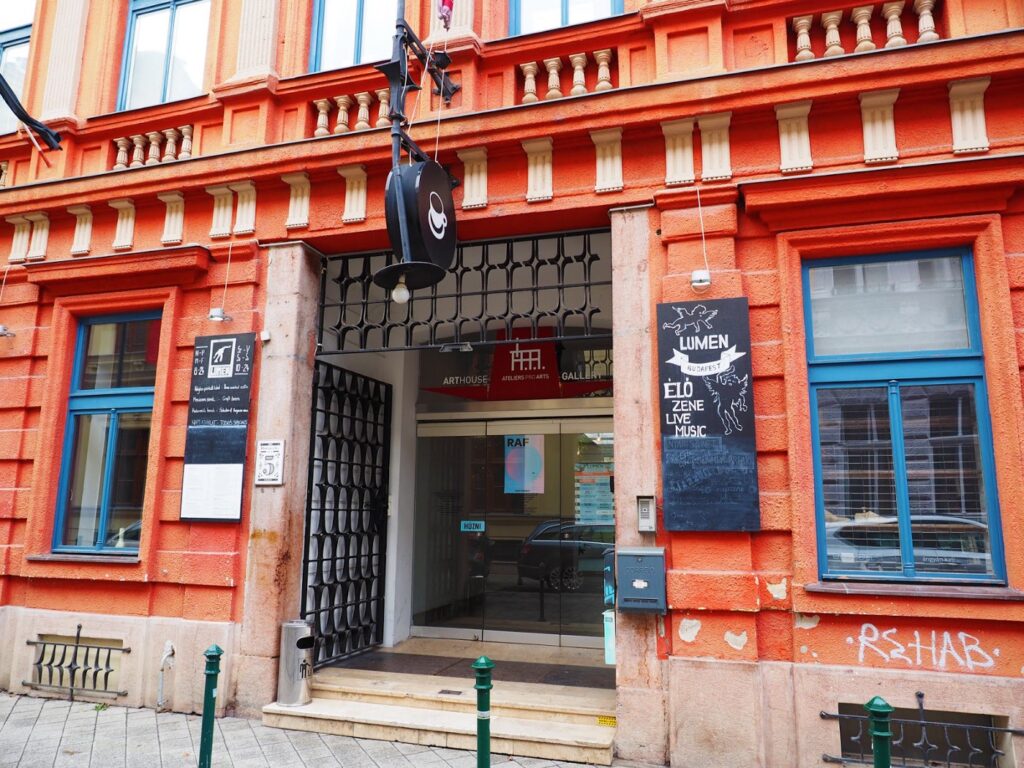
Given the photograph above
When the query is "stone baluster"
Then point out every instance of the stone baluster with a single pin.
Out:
(529, 82)
(344, 104)
(925, 21)
(186, 142)
(323, 108)
(893, 25)
(139, 151)
(172, 136)
(123, 145)
(802, 28)
(363, 115)
(579, 78)
(604, 72)
(155, 139)
(383, 100)
(833, 44)
(862, 18)
(554, 67)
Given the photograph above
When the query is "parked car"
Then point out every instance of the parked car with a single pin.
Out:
(560, 553)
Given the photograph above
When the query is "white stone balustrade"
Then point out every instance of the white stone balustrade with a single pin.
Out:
(153, 147)
(825, 32)
(553, 69)
(365, 116)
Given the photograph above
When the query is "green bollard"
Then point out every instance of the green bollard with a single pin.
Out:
(483, 667)
(881, 731)
(212, 654)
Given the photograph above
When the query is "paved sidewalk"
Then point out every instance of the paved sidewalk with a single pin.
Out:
(45, 733)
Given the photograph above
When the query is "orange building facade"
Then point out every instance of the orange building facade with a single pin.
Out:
(760, 140)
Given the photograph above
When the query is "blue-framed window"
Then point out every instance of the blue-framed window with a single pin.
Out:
(349, 32)
(106, 443)
(904, 476)
(527, 16)
(15, 32)
(164, 52)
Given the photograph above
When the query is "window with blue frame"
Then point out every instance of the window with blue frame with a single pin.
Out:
(537, 15)
(349, 32)
(165, 51)
(904, 477)
(106, 444)
(15, 31)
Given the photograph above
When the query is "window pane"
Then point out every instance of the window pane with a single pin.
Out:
(16, 13)
(13, 63)
(535, 15)
(121, 354)
(588, 10)
(85, 492)
(188, 50)
(944, 477)
(378, 29)
(895, 306)
(147, 58)
(338, 36)
(129, 480)
(858, 485)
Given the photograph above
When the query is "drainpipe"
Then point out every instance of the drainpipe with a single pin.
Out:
(166, 662)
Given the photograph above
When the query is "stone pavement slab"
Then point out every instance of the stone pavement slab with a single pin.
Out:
(50, 733)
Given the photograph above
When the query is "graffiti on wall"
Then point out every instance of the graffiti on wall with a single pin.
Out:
(945, 650)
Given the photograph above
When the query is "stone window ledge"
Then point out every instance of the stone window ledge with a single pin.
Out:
(58, 557)
(958, 591)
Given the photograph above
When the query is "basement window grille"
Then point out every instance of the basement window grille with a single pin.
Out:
(77, 665)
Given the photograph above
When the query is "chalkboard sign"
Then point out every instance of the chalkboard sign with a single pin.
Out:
(218, 427)
(708, 454)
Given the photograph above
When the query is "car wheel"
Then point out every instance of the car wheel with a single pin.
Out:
(554, 579)
(571, 580)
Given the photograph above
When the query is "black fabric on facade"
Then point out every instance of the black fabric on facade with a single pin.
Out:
(52, 138)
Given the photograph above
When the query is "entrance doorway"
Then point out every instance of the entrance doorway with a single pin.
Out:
(512, 522)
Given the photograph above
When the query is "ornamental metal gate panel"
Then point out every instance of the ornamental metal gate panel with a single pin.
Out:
(346, 513)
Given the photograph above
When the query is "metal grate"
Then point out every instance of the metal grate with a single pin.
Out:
(495, 292)
(346, 513)
(66, 664)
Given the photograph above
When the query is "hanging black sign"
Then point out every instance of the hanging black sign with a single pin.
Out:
(708, 453)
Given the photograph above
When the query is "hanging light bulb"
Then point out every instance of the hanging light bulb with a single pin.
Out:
(400, 293)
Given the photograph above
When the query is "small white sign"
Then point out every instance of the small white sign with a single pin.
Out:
(270, 462)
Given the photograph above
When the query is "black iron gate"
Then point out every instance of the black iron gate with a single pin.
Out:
(346, 513)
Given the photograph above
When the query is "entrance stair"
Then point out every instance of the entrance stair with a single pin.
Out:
(553, 722)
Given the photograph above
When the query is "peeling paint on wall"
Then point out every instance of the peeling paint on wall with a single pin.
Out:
(778, 591)
(804, 621)
(688, 629)
(738, 642)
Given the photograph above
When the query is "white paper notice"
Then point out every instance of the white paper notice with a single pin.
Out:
(212, 492)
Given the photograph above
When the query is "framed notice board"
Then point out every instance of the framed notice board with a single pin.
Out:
(708, 452)
(218, 427)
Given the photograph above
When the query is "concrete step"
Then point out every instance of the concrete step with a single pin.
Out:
(520, 737)
(526, 701)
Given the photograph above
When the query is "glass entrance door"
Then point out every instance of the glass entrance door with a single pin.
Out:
(512, 522)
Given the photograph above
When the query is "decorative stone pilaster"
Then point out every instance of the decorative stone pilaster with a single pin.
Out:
(678, 152)
(171, 136)
(833, 43)
(223, 202)
(893, 25)
(967, 110)
(64, 63)
(363, 115)
(138, 151)
(82, 242)
(174, 217)
(862, 18)
(20, 239)
(529, 70)
(257, 39)
(802, 28)
(40, 235)
(554, 67)
(794, 137)
(604, 72)
(298, 200)
(4, 165)
(355, 193)
(879, 123)
(925, 21)
(245, 213)
(383, 101)
(608, 149)
(344, 104)
(715, 158)
(121, 160)
(323, 110)
(579, 77)
(474, 177)
(155, 139)
(539, 167)
(124, 232)
(186, 142)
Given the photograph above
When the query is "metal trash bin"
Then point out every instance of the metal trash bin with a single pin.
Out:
(295, 664)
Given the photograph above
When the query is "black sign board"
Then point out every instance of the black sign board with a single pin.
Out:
(218, 427)
(708, 455)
